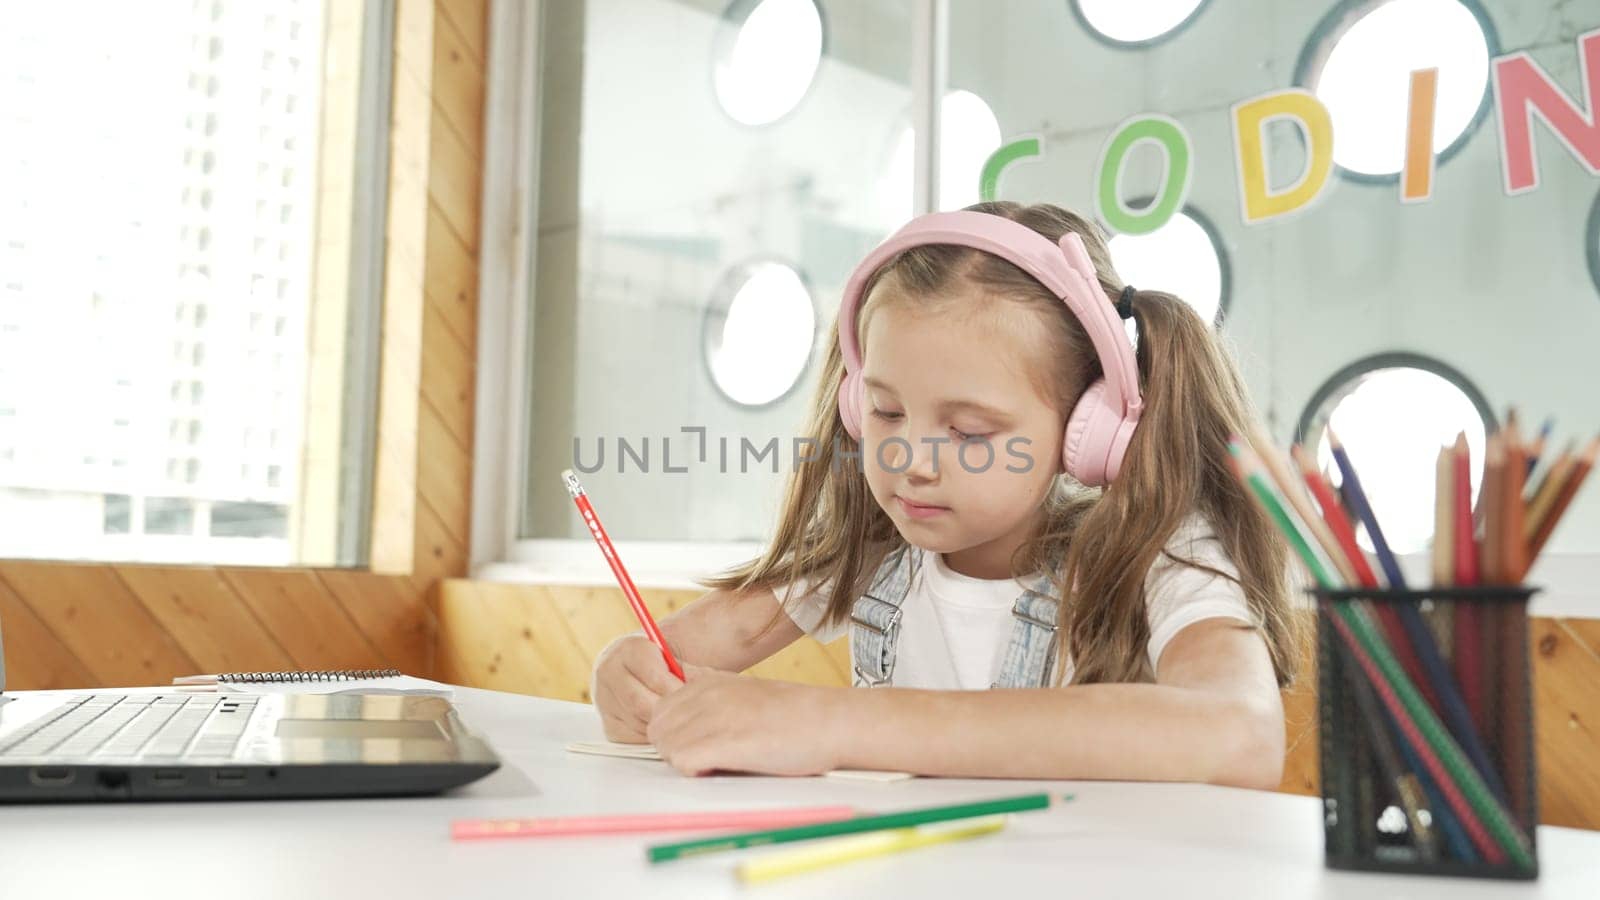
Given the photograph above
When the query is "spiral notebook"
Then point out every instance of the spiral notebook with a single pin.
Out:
(317, 681)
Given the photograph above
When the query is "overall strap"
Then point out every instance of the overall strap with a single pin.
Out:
(875, 618)
(1031, 651)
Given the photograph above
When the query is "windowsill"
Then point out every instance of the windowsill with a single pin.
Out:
(667, 565)
(1569, 582)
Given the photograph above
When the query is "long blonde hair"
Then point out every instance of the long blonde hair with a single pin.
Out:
(1097, 546)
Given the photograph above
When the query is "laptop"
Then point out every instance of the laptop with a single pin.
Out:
(172, 745)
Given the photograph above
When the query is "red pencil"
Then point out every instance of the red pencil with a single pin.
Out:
(1344, 534)
(646, 621)
(1466, 534)
(1468, 656)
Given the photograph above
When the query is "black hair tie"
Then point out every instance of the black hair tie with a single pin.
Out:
(1125, 302)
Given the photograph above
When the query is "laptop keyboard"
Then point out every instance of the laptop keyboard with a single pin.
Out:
(149, 727)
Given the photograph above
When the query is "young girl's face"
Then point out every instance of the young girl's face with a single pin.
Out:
(960, 446)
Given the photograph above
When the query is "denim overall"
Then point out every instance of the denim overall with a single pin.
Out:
(875, 627)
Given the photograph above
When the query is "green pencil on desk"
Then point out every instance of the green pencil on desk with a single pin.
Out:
(907, 819)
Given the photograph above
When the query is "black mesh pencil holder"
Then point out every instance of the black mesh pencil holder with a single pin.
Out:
(1426, 723)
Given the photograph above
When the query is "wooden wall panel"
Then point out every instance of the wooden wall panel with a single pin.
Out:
(206, 617)
(303, 616)
(1566, 698)
(490, 635)
(94, 615)
(35, 658)
(542, 640)
(391, 612)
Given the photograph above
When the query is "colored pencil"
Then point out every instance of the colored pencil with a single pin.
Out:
(569, 826)
(1346, 548)
(1467, 659)
(1491, 499)
(1406, 786)
(1294, 491)
(1333, 512)
(1514, 549)
(1569, 489)
(1442, 617)
(1455, 837)
(1458, 712)
(1444, 495)
(1362, 511)
(1547, 487)
(1537, 447)
(1466, 534)
(1483, 817)
(1479, 683)
(598, 531)
(865, 846)
(859, 825)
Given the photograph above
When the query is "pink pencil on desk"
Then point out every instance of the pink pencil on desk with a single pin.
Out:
(754, 819)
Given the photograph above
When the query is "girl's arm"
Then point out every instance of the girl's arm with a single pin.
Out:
(1215, 716)
(729, 631)
(720, 630)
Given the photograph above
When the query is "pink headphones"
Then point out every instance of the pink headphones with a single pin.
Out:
(1102, 423)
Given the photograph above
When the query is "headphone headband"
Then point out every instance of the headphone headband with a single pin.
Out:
(1064, 269)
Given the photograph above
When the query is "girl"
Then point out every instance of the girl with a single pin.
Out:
(951, 526)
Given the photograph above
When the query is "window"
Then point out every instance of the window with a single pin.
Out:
(125, 257)
(249, 520)
(168, 515)
(116, 515)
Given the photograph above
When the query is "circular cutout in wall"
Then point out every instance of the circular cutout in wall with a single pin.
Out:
(1135, 23)
(1392, 413)
(1183, 257)
(766, 57)
(1359, 62)
(758, 332)
(968, 134)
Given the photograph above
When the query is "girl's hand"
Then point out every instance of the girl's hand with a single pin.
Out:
(630, 677)
(722, 721)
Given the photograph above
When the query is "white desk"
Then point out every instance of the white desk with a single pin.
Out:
(1116, 840)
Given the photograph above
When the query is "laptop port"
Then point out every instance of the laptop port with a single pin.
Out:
(52, 776)
(167, 778)
(111, 783)
(228, 778)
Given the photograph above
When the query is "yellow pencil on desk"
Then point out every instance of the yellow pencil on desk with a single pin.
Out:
(849, 849)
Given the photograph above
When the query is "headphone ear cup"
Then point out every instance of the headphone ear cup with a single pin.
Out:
(851, 400)
(1092, 430)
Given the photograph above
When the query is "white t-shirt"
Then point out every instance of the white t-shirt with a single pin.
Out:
(954, 628)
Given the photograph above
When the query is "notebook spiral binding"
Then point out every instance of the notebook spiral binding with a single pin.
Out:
(305, 676)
